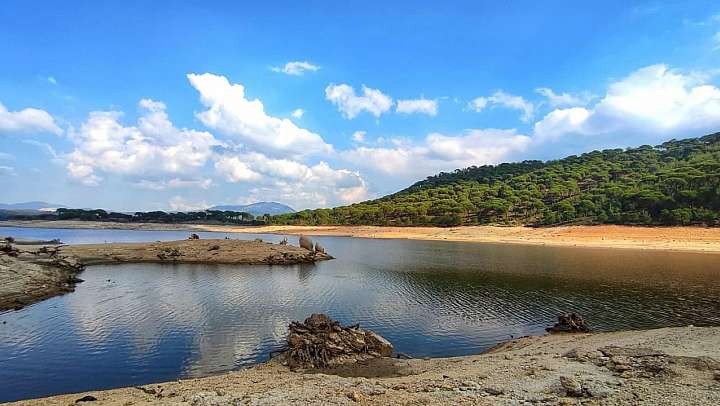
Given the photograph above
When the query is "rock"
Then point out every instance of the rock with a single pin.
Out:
(214, 248)
(320, 342)
(716, 375)
(569, 323)
(572, 387)
(194, 236)
(355, 396)
(597, 390)
(493, 391)
(306, 243)
(86, 398)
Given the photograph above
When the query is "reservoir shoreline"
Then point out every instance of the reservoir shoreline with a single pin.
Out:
(661, 366)
(684, 239)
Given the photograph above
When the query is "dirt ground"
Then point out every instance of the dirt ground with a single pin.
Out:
(691, 239)
(670, 366)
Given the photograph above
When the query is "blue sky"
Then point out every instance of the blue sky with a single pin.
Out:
(182, 105)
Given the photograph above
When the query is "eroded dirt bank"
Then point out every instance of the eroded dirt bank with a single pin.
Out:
(31, 273)
(670, 366)
(689, 239)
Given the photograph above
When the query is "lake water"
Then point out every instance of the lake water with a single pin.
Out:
(141, 323)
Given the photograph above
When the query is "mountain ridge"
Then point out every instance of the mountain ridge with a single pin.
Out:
(674, 183)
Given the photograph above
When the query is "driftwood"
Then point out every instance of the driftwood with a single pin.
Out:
(321, 342)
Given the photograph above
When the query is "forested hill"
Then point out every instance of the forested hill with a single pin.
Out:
(676, 183)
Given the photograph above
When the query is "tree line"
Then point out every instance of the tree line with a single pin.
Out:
(674, 183)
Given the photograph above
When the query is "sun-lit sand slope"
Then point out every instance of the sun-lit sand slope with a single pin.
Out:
(693, 239)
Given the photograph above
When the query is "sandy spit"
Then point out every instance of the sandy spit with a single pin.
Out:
(669, 366)
(689, 239)
(30, 274)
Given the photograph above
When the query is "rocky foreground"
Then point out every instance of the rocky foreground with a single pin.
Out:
(670, 366)
(30, 273)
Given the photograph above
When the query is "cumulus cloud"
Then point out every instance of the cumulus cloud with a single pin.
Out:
(152, 148)
(421, 106)
(27, 121)
(359, 136)
(296, 68)
(565, 99)
(298, 113)
(175, 183)
(287, 180)
(438, 152)
(654, 100)
(230, 113)
(506, 100)
(351, 105)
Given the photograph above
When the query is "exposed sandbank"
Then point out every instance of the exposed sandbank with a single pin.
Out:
(669, 366)
(29, 273)
(689, 239)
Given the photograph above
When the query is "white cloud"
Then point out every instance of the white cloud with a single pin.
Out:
(359, 136)
(286, 180)
(6, 157)
(654, 101)
(421, 105)
(716, 41)
(235, 170)
(350, 105)
(506, 100)
(230, 113)
(438, 152)
(177, 203)
(52, 80)
(175, 183)
(27, 121)
(298, 113)
(153, 147)
(43, 146)
(565, 99)
(296, 68)
(7, 170)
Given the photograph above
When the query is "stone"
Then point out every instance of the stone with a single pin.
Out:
(572, 386)
(355, 396)
(597, 389)
(305, 242)
(86, 398)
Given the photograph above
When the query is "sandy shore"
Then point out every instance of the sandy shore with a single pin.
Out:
(690, 239)
(30, 273)
(670, 366)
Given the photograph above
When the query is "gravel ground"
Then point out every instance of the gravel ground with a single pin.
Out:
(670, 366)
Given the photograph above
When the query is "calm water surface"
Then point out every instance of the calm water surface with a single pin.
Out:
(136, 324)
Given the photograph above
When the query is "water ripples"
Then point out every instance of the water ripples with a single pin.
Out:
(134, 324)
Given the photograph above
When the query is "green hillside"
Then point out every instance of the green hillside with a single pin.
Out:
(676, 183)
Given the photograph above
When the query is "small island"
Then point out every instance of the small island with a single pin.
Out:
(30, 273)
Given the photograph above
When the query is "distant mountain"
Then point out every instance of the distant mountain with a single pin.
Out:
(30, 206)
(258, 209)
